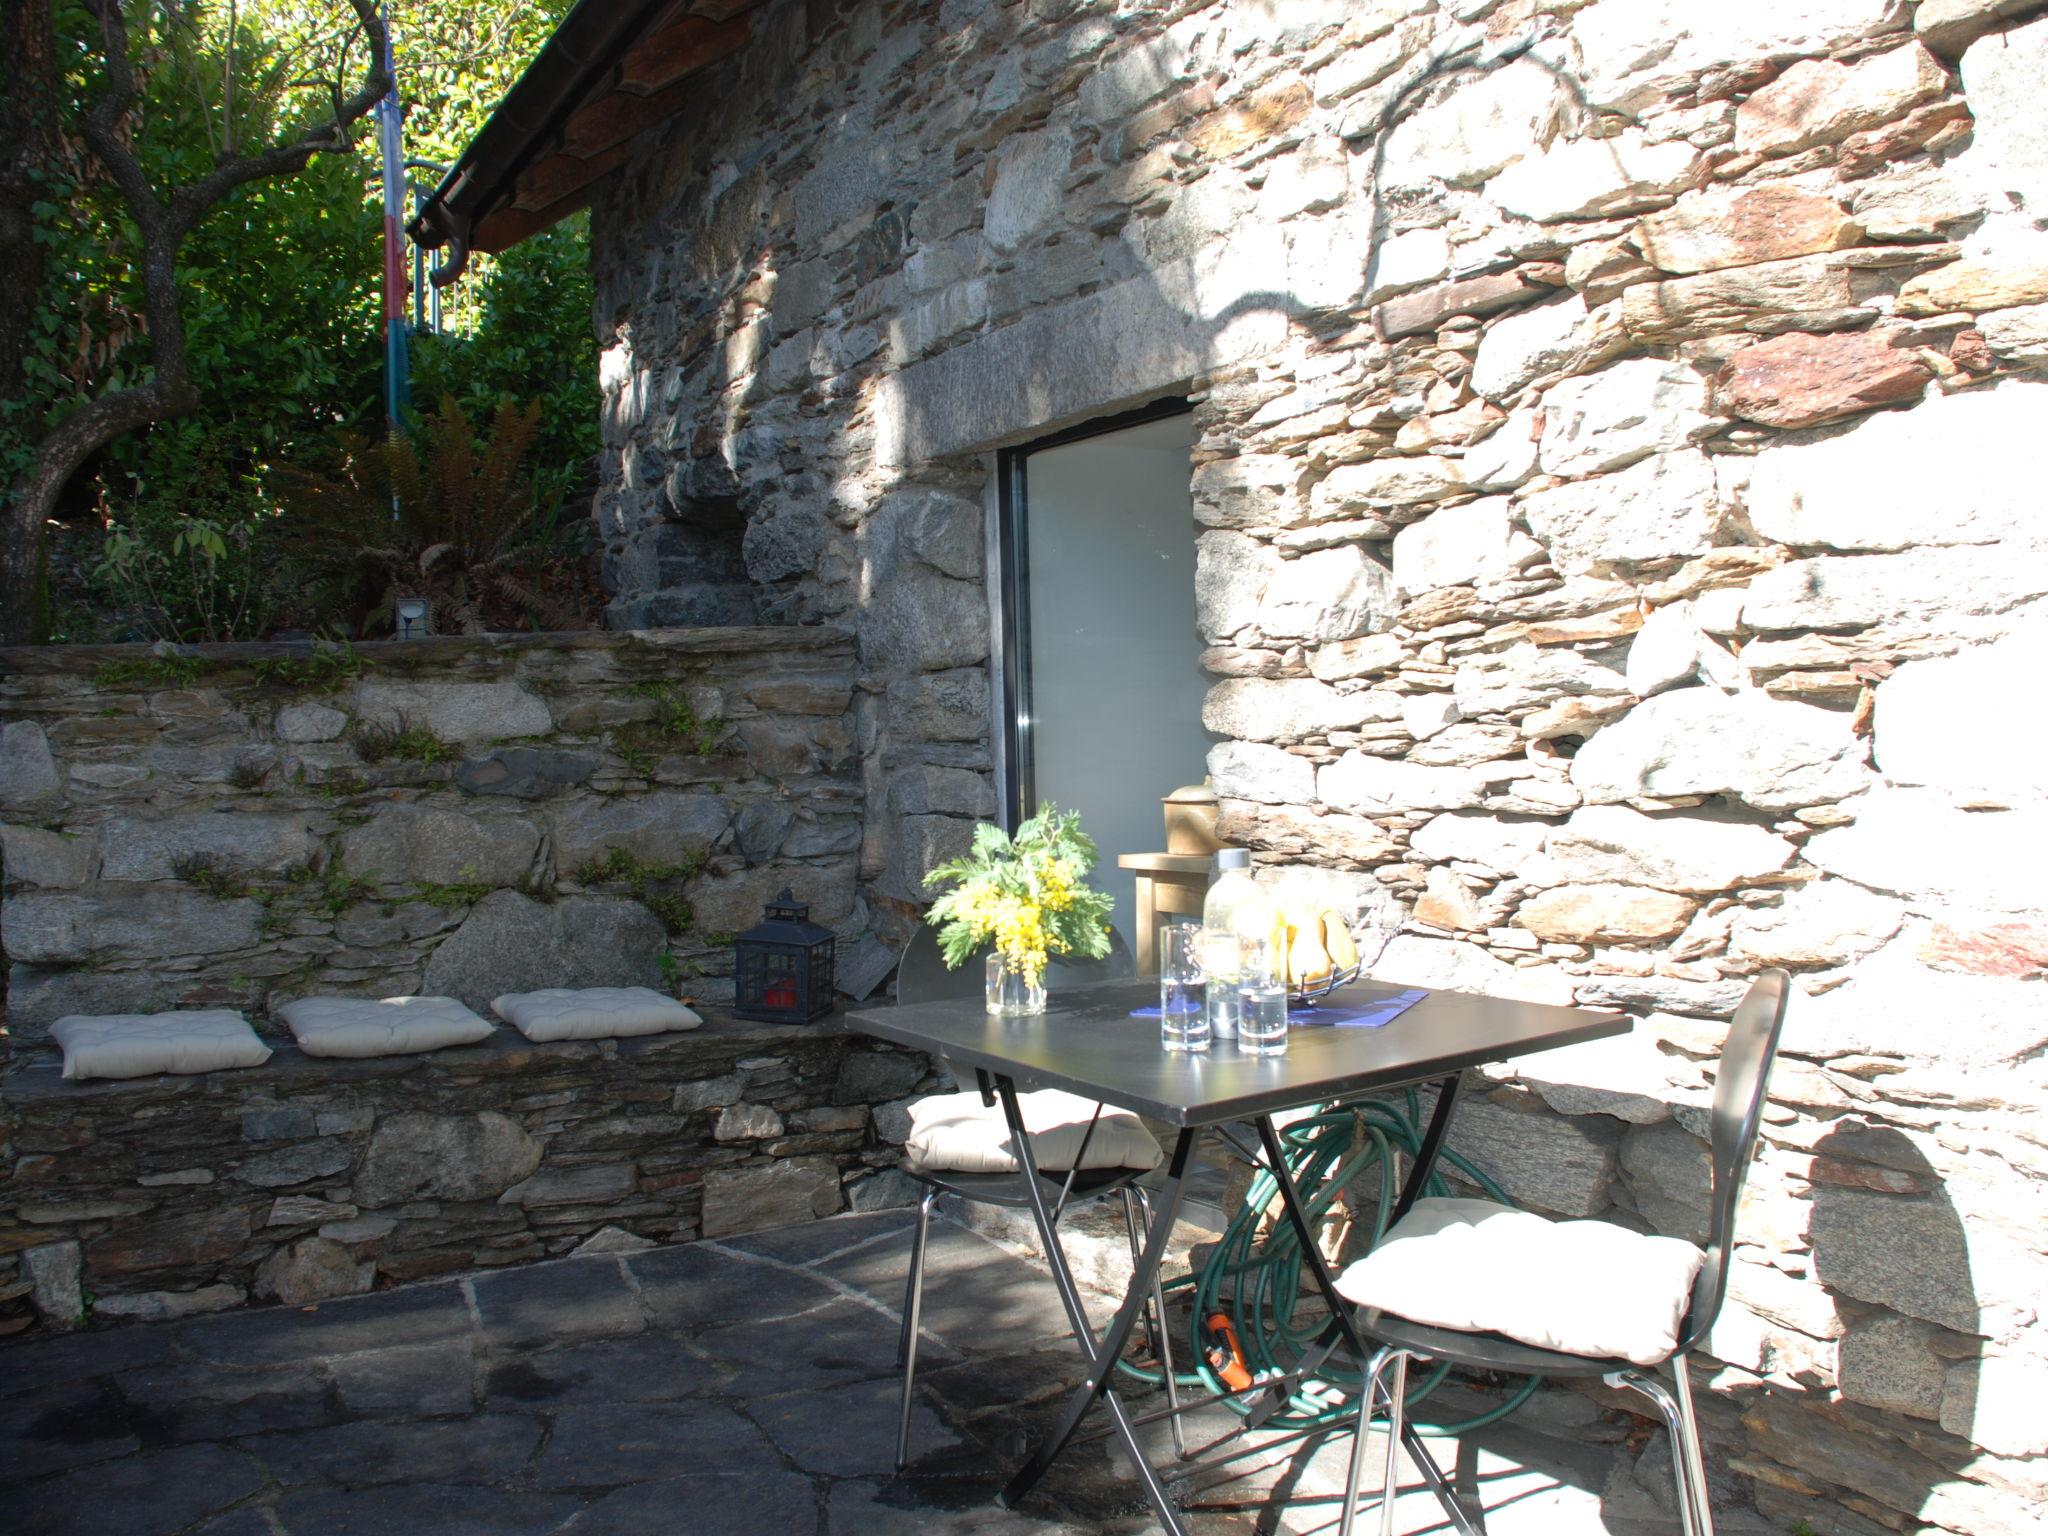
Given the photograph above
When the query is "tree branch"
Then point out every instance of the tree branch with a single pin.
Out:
(190, 203)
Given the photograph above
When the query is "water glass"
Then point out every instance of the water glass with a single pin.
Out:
(1262, 1004)
(1183, 986)
(1223, 964)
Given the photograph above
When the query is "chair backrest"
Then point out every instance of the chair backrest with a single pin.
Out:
(923, 977)
(1739, 1085)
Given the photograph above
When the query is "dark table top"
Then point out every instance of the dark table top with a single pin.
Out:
(1087, 1042)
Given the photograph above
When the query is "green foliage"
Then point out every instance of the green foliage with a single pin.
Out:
(212, 877)
(531, 340)
(376, 743)
(281, 294)
(1025, 894)
(674, 723)
(324, 669)
(249, 773)
(641, 878)
(462, 894)
(164, 669)
(441, 513)
(338, 890)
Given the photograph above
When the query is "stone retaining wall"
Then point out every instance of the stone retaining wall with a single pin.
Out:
(1622, 561)
(241, 825)
(305, 1179)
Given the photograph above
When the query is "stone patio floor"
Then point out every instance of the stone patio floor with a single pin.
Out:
(736, 1388)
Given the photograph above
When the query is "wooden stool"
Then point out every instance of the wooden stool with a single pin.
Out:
(1169, 885)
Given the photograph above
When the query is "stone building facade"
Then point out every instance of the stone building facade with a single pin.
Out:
(1622, 566)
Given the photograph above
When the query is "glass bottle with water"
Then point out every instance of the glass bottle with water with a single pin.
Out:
(1235, 915)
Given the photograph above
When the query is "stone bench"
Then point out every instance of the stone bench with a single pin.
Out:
(307, 1177)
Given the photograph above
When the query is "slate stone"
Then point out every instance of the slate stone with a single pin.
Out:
(71, 1426)
(813, 1241)
(425, 845)
(420, 1379)
(296, 1164)
(776, 1194)
(696, 1286)
(420, 1314)
(422, 1507)
(605, 1445)
(28, 770)
(839, 1342)
(648, 1368)
(487, 1449)
(525, 773)
(893, 1508)
(55, 928)
(187, 1238)
(512, 943)
(759, 829)
(568, 1299)
(185, 1402)
(712, 1505)
(151, 1495)
(154, 847)
(415, 1155)
(850, 1431)
(977, 1297)
(463, 712)
(662, 827)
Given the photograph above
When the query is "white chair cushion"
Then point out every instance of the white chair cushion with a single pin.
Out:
(380, 1026)
(141, 1044)
(592, 1013)
(1580, 1287)
(957, 1133)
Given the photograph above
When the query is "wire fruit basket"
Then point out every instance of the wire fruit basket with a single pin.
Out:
(1315, 989)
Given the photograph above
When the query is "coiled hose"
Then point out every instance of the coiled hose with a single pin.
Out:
(1325, 1152)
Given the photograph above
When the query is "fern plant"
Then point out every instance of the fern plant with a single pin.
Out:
(433, 513)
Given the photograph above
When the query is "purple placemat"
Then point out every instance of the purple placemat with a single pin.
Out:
(1366, 1015)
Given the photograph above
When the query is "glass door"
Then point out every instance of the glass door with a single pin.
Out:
(1101, 664)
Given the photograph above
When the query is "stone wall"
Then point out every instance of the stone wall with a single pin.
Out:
(1622, 561)
(242, 825)
(305, 1179)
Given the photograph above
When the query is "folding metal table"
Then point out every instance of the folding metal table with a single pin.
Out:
(1088, 1042)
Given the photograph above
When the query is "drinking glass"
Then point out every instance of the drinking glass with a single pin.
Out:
(1183, 1017)
(1262, 1004)
(1222, 962)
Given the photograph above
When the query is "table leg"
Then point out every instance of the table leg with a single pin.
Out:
(1432, 1145)
(1319, 1268)
(1102, 1354)
(1146, 939)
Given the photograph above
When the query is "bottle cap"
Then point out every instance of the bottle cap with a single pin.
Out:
(1233, 858)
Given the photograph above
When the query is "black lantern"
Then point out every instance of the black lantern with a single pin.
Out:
(782, 967)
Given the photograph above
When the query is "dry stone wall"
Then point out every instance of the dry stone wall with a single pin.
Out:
(237, 826)
(306, 1179)
(1622, 563)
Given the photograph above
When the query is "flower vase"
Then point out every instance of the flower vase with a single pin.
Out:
(1013, 992)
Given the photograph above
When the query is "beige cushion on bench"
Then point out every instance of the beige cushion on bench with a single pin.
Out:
(380, 1026)
(1582, 1287)
(957, 1133)
(592, 1013)
(142, 1044)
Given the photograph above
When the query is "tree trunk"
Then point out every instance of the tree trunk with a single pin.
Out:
(28, 145)
(162, 222)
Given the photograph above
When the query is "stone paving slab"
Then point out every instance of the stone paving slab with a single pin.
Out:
(742, 1388)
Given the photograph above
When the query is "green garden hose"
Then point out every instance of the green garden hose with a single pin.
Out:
(1325, 1152)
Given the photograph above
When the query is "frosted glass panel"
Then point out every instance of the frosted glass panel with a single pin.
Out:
(1116, 684)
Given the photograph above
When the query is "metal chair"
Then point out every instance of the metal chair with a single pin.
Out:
(922, 976)
(1745, 1069)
